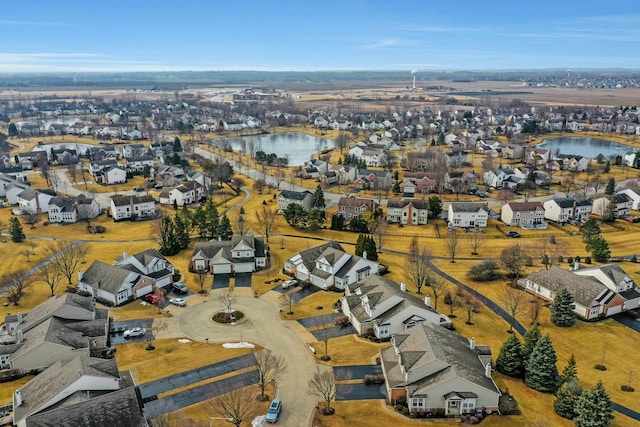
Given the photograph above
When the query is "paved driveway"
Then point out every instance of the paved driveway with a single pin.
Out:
(242, 280)
(333, 332)
(116, 330)
(355, 372)
(153, 388)
(320, 320)
(220, 281)
(360, 391)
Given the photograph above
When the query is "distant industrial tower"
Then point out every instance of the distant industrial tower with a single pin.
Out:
(413, 73)
(74, 77)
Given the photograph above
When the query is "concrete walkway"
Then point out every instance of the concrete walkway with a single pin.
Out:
(261, 325)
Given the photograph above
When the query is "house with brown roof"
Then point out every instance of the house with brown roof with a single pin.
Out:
(527, 215)
(133, 207)
(82, 391)
(408, 211)
(352, 207)
(379, 306)
(439, 372)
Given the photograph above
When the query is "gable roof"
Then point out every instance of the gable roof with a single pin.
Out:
(525, 206)
(568, 202)
(131, 200)
(295, 195)
(468, 206)
(52, 306)
(222, 250)
(107, 277)
(310, 255)
(583, 288)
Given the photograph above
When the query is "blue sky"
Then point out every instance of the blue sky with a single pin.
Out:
(142, 35)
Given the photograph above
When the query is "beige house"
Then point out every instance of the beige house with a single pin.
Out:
(302, 198)
(439, 372)
(528, 215)
(408, 212)
(133, 207)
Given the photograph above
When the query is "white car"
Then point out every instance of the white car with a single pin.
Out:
(134, 332)
(178, 301)
(289, 284)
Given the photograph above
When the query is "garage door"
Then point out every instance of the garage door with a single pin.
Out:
(222, 268)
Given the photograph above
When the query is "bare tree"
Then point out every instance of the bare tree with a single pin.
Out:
(242, 223)
(268, 221)
(417, 270)
(475, 240)
(505, 195)
(51, 276)
(201, 276)
(278, 176)
(269, 368)
(534, 309)
(452, 244)
(259, 185)
(438, 287)
(152, 332)
(342, 141)
(452, 300)
(471, 306)
(165, 415)
(227, 299)
(512, 298)
(323, 325)
(235, 406)
(568, 186)
(14, 284)
(288, 300)
(323, 386)
(66, 258)
(380, 229)
(31, 217)
(43, 164)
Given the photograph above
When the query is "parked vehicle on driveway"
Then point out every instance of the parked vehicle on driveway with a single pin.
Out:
(513, 234)
(152, 298)
(178, 301)
(273, 413)
(134, 332)
(289, 284)
(179, 288)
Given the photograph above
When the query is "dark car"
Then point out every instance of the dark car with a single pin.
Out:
(179, 288)
(513, 234)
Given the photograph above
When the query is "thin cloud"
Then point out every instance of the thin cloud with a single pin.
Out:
(386, 43)
(440, 29)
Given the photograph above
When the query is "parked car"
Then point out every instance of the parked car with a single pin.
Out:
(152, 298)
(513, 234)
(178, 301)
(289, 284)
(273, 413)
(179, 288)
(138, 189)
(134, 332)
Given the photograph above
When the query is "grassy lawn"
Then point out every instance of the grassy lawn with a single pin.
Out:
(7, 389)
(349, 350)
(172, 356)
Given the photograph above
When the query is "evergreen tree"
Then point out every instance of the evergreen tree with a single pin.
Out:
(593, 408)
(167, 236)
(600, 249)
(435, 206)
(182, 238)
(636, 160)
(589, 229)
(510, 361)
(199, 221)
(315, 219)
(211, 220)
(224, 231)
(541, 372)
(607, 167)
(370, 248)
(13, 130)
(177, 145)
(294, 214)
(566, 399)
(562, 313)
(15, 230)
(610, 189)
(318, 198)
(530, 339)
(360, 245)
(570, 371)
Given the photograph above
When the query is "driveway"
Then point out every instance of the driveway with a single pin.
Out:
(116, 330)
(242, 280)
(261, 325)
(360, 391)
(221, 281)
(355, 372)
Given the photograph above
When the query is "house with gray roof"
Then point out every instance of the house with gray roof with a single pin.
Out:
(468, 214)
(79, 392)
(69, 210)
(241, 254)
(562, 210)
(439, 372)
(130, 277)
(138, 207)
(379, 306)
(329, 266)
(622, 205)
(408, 211)
(35, 201)
(302, 198)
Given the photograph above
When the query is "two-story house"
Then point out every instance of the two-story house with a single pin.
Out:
(467, 214)
(562, 210)
(329, 266)
(35, 201)
(352, 207)
(408, 211)
(241, 254)
(302, 198)
(528, 215)
(622, 204)
(185, 194)
(635, 198)
(139, 163)
(133, 207)
(70, 210)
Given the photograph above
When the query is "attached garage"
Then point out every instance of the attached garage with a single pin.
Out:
(221, 268)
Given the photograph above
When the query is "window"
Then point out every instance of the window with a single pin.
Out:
(454, 403)
(417, 403)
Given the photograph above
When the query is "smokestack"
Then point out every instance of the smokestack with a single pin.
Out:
(403, 286)
(472, 343)
(427, 301)
(487, 370)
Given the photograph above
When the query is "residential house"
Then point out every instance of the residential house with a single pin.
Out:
(423, 182)
(241, 254)
(379, 306)
(134, 150)
(139, 163)
(468, 214)
(35, 201)
(203, 180)
(64, 156)
(616, 280)
(6, 180)
(185, 194)
(133, 207)
(562, 210)
(70, 210)
(60, 328)
(621, 208)
(573, 163)
(352, 207)
(537, 156)
(81, 391)
(527, 215)
(161, 149)
(110, 175)
(329, 266)
(408, 211)
(439, 372)
(635, 198)
(512, 151)
(171, 175)
(593, 299)
(302, 198)
(12, 190)
(460, 182)
(102, 153)
(98, 165)
(370, 179)
(130, 277)
(503, 178)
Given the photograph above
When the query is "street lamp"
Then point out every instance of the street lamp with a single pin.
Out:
(219, 418)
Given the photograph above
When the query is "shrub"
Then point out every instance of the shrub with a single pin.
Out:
(398, 408)
(485, 271)
(560, 258)
(577, 258)
(373, 379)
(405, 410)
(634, 258)
(570, 260)
(100, 229)
(587, 260)
(341, 321)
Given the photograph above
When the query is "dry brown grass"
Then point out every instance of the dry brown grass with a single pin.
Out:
(349, 350)
(7, 389)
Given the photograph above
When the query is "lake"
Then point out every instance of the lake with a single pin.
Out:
(298, 147)
(588, 147)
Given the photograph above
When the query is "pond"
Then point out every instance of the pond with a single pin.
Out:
(588, 147)
(298, 147)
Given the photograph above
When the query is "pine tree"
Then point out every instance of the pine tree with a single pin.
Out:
(611, 187)
(13, 129)
(318, 198)
(562, 313)
(15, 230)
(541, 372)
(182, 238)
(531, 338)
(510, 361)
(167, 236)
(566, 399)
(360, 245)
(224, 231)
(370, 248)
(636, 160)
(593, 408)
(570, 371)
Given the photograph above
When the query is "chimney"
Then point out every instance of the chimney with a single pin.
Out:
(576, 265)
(472, 343)
(20, 320)
(20, 336)
(17, 398)
(487, 370)
(427, 301)
(364, 255)
(403, 286)
(125, 255)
